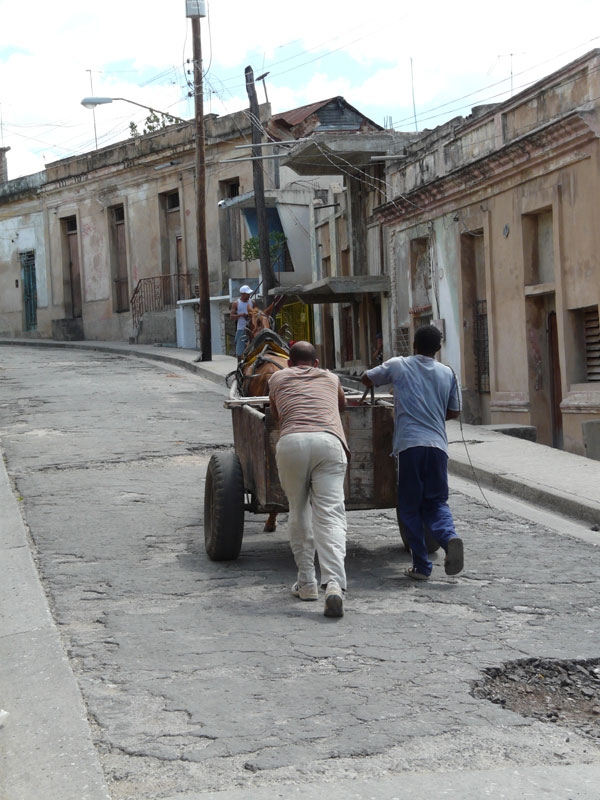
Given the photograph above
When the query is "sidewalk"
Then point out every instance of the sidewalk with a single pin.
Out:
(560, 482)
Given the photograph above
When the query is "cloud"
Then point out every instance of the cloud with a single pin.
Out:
(359, 50)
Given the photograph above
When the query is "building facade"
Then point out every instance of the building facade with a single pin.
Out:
(103, 245)
(491, 232)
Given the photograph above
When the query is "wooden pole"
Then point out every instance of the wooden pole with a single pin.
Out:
(204, 305)
(264, 251)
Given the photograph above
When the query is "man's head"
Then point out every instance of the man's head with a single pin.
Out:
(427, 341)
(245, 292)
(303, 354)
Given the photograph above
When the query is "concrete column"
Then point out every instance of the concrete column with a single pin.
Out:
(3, 164)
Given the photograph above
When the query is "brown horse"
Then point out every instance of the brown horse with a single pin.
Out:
(265, 353)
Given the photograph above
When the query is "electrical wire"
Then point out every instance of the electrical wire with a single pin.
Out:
(464, 441)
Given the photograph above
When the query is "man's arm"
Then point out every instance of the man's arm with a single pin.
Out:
(454, 399)
(367, 381)
(233, 313)
(273, 405)
(341, 398)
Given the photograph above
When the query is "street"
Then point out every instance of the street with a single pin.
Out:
(201, 676)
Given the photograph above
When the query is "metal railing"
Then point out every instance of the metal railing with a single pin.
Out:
(159, 293)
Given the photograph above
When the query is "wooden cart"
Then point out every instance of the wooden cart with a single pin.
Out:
(247, 479)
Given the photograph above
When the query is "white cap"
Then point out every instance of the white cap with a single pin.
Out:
(245, 290)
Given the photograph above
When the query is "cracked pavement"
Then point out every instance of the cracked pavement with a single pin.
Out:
(201, 676)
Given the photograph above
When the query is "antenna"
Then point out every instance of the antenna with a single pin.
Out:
(511, 55)
(412, 83)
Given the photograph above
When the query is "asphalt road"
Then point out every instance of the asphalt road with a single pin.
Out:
(203, 677)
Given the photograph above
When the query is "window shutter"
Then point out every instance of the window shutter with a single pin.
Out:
(591, 323)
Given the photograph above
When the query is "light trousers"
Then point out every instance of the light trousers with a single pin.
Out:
(312, 468)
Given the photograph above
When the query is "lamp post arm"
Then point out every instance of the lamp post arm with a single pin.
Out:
(154, 110)
(92, 102)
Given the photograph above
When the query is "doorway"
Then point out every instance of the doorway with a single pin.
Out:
(545, 382)
(73, 295)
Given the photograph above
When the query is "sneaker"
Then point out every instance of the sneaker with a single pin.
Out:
(334, 600)
(411, 572)
(454, 560)
(306, 591)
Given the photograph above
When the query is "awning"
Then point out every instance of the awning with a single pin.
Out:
(336, 290)
(335, 154)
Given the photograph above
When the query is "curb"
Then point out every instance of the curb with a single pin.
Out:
(46, 748)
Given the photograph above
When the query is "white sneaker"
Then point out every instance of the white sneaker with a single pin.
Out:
(334, 600)
(306, 591)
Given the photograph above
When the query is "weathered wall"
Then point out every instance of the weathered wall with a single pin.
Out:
(525, 177)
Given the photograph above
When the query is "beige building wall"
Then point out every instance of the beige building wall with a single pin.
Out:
(494, 232)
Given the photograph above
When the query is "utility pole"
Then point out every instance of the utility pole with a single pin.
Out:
(264, 252)
(195, 10)
(93, 109)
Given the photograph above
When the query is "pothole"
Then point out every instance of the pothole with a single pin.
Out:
(566, 692)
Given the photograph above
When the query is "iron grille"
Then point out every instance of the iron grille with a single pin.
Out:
(481, 344)
(27, 259)
(159, 293)
(402, 341)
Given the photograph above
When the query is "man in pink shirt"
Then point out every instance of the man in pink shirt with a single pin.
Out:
(312, 456)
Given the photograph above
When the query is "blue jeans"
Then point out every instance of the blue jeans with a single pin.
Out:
(241, 339)
(423, 501)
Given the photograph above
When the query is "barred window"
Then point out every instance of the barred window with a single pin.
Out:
(402, 341)
(481, 344)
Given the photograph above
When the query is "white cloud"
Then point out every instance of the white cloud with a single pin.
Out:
(360, 50)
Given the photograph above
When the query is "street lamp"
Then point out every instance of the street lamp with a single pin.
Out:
(194, 9)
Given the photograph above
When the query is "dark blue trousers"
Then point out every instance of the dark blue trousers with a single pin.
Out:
(423, 501)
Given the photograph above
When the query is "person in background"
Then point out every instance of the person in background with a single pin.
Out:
(239, 313)
(378, 351)
(312, 456)
(426, 394)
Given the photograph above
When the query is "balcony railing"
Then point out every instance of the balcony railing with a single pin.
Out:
(160, 293)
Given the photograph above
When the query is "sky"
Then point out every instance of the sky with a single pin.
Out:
(406, 65)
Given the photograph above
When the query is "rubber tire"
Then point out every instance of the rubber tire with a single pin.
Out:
(224, 507)
(432, 545)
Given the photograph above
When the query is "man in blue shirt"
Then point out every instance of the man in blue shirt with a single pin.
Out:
(426, 394)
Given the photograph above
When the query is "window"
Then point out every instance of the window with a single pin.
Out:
(118, 258)
(172, 199)
(402, 341)
(28, 282)
(538, 242)
(232, 189)
(420, 273)
(591, 333)
(231, 227)
(481, 345)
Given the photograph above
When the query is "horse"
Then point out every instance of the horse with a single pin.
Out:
(266, 352)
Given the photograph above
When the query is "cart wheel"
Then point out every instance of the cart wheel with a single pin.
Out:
(224, 507)
(432, 545)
